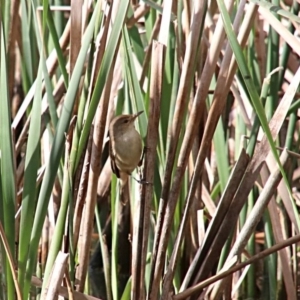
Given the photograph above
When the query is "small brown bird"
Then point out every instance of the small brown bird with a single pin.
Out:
(125, 147)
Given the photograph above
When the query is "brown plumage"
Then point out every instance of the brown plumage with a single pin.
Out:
(125, 147)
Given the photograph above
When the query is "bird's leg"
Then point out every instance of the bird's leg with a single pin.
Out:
(143, 155)
(141, 181)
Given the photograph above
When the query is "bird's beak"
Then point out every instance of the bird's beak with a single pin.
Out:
(137, 114)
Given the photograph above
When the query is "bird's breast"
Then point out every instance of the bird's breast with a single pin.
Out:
(128, 150)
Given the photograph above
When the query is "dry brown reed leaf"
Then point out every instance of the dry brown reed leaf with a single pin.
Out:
(56, 277)
(160, 241)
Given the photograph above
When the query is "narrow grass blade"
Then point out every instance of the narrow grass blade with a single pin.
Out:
(7, 166)
(57, 147)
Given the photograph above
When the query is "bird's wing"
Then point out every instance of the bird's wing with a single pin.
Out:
(113, 160)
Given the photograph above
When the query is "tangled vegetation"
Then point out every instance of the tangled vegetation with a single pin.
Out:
(218, 83)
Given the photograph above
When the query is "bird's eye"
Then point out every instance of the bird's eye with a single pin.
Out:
(126, 121)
